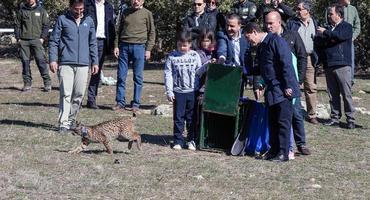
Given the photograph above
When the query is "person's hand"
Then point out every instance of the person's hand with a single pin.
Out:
(53, 66)
(147, 55)
(288, 92)
(116, 52)
(94, 69)
(321, 29)
(42, 41)
(267, 1)
(171, 98)
(213, 60)
(258, 94)
(221, 60)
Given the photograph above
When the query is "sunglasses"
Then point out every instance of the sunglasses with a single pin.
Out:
(299, 9)
(197, 4)
(212, 3)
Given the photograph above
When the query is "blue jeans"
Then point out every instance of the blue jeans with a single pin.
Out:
(298, 134)
(135, 53)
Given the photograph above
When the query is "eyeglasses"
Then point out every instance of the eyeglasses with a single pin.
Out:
(197, 4)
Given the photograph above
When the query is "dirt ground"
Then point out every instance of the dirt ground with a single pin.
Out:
(34, 163)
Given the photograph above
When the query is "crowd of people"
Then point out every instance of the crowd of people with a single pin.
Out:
(287, 46)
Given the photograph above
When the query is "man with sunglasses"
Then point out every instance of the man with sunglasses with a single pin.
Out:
(306, 25)
(199, 20)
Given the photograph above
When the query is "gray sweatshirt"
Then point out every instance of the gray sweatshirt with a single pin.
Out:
(180, 72)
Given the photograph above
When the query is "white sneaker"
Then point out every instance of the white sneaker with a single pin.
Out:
(177, 147)
(191, 146)
(291, 155)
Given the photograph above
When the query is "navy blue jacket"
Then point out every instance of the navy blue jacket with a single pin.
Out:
(294, 24)
(110, 33)
(337, 46)
(276, 68)
(225, 48)
(70, 44)
(206, 21)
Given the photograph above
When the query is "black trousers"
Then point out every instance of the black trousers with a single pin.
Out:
(280, 121)
(95, 79)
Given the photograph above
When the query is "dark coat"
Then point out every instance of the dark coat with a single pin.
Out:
(276, 68)
(110, 33)
(337, 45)
(225, 48)
(206, 21)
(297, 47)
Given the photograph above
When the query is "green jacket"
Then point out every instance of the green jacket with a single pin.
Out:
(31, 23)
(351, 16)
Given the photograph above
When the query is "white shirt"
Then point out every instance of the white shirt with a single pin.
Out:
(236, 46)
(100, 16)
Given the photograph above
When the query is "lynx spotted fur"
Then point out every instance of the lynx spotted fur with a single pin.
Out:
(106, 131)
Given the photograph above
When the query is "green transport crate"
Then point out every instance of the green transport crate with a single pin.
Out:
(219, 120)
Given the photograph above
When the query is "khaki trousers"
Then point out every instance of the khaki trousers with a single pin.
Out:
(72, 86)
(310, 89)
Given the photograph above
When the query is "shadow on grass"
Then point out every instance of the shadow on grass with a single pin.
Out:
(11, 88)
(161, 140)
(142, 107)
(32, 104)
(154, 83)
(28, 124)
(341, 124)
(95, 151)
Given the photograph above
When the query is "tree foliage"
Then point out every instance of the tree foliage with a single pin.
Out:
(168, 15)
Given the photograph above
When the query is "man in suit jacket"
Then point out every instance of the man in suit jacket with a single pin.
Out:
(281, 86)
(233, 49)
(101, 12)
(337, 48)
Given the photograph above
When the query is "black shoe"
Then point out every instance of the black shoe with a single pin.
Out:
(267, 156)
(92, 105)
(63, 130)
(303, 150)
(47, 88)
(280, 158)
(351, 125)
(331, 123)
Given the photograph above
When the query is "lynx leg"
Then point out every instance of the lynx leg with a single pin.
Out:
(137, 139)
(78, 149)
(108, 147)
(83, 146)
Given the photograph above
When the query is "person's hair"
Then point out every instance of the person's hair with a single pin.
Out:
(217, 2)
(252, 26)
(184, 36)
(234, 16)
(71, 2)
(307, 4)
(338, 9)
(206, 34)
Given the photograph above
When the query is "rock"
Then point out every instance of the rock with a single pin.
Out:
(199, 177)
(316, 186)
(323, 111)
(362, 92)
(8, 39)
(164, 110)
(356, 98)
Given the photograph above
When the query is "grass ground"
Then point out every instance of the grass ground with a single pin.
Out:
(35, 163)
